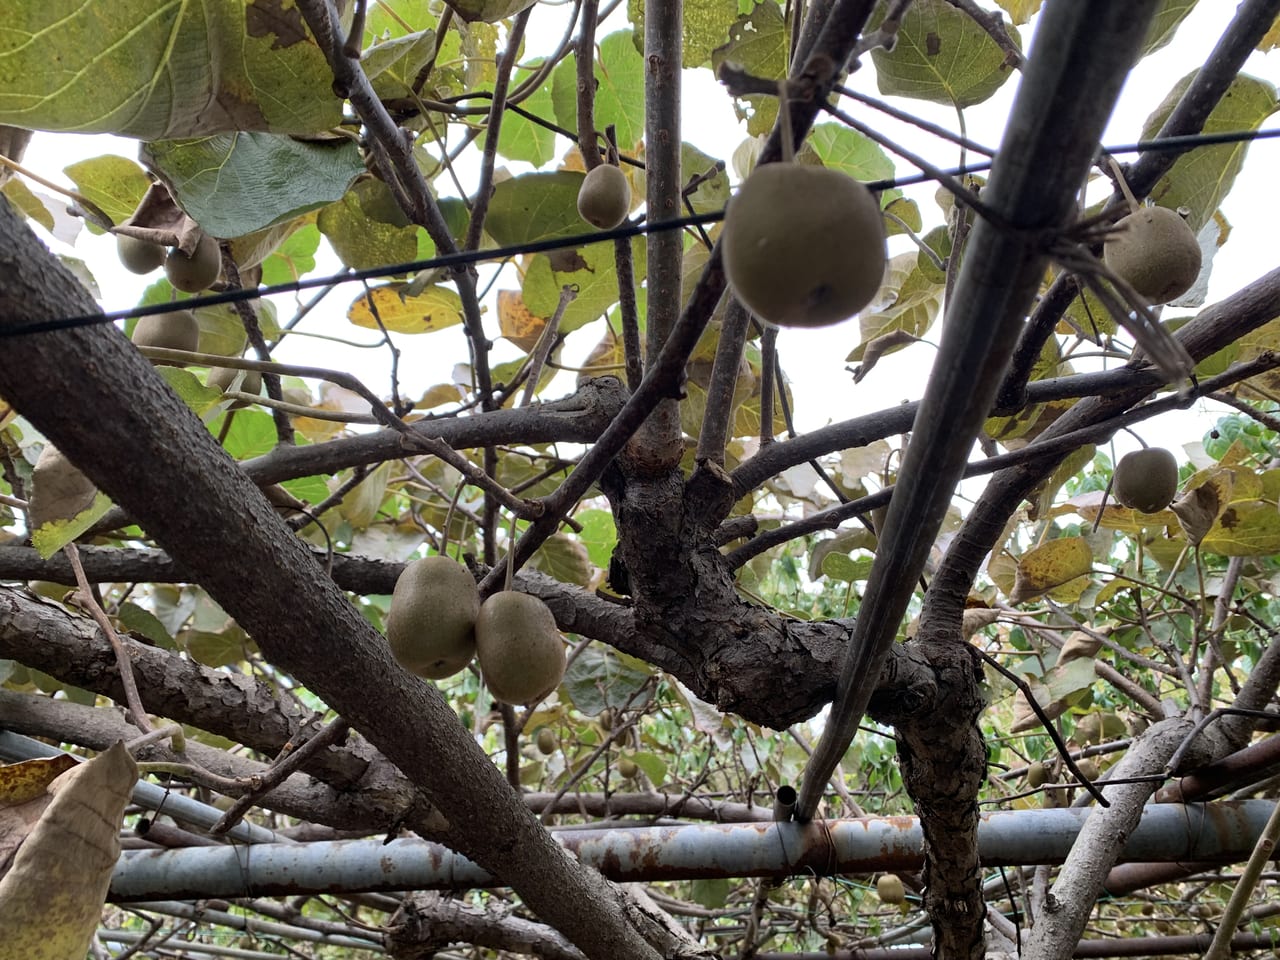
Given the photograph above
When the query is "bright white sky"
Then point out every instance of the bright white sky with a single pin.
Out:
(814, 359)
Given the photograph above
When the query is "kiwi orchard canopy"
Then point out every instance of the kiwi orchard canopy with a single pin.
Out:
(681, 601)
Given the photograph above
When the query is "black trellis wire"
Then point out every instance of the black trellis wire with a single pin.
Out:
(469, 257)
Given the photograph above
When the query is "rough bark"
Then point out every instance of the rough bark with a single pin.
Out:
(101, 403)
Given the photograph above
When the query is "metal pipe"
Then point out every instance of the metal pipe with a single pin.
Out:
(14, 748)
(1220, 831)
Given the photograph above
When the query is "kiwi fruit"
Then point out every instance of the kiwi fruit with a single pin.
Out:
(432, 622)
(628, 769)
(546, 741)
(1146, 480)
(1156, 251)
(138, 256)
(1088, 768)
(889, 888)
(1037, 775)
(519, 648)
(224, 377)
(198, 271)
(803, 246)
(59, 491)
(176, 330)
(604, 199)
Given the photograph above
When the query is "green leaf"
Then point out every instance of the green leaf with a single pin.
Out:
(215, 649)
(850, 152)
(393, 64)
(591, 270)
(367, 230)
(361, 506)
(601, 677)
(536, 206)
(712, 894)
(706, 26)
(294, 258)
(1201, 178)
(565, 559)
(522, 139)
(143, 622)
(913, 304)
(1165, 23)
(599, 535)
(252, 433)
(159, 71)
(187, 386)
(619, 73)
(27, 203)
(115, 184)
(488, 11)
(943, 56)
(654, 767)
(846, 569)
(236, 183)
(758, 43)
(711, 194)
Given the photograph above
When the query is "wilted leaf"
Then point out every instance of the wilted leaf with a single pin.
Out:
(1053, 692)
(1051, 565)
(1079, 644)
(1197, 509)
(51, 897)
(517, 322)
(891, 342)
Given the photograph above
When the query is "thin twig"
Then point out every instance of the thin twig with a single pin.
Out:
(86, 596)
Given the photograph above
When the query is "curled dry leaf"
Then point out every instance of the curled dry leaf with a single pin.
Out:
(1197, 510)
(51, 898)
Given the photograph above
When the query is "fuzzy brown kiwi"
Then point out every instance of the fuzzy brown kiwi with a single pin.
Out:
(628, 769)
(1037, 775)
(139, 256)
(431, 624)
(176, 330)
(198, 271)
(803, 246)
(604, 199)
(520, 650)
(1156, 251)
(1146, 480)
(546, 741)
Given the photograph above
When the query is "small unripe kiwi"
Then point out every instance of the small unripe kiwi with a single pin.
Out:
(628, 769)
(198, 271)
(889, 888)
(138, 256)
(604, 199)
(1088, 768)
(223, 377)
(176, 330)
(431, 625)
(1156, 251)
(1036, 775)
(546, 741)
(519, 648)
(59, 491)
(1146, 480)
(803, 246)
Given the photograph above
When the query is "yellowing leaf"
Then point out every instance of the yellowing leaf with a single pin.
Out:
(51, 537)
(434, 309)
(23, 782)
(1050, 565)
(910, 304)
(1246, 528)
(51, 898)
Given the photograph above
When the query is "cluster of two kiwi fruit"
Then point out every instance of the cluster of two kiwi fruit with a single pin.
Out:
(437, 624)
(179, 329)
